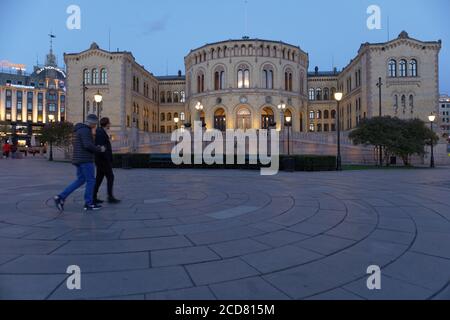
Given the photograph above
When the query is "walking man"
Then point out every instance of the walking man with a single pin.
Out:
(103, 161)
(83, 159)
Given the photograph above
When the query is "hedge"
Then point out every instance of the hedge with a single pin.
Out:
(145, 161)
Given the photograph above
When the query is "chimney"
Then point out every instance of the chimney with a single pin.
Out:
(316, 70)
(179, 73)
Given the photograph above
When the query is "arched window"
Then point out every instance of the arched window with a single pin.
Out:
(267, 118)
(395, 103)
(326, 94)
(326, 114)
(288, 80)
(244, 119)
(311, 115)
(404, 103)
(169, 97)
(392, 68)
(182, 116)
(220, 120)
(87, 76)
(268, 77)
(219, 79)
(333, 114)
(243, 77)
(318, 94)
(319, 114)
(413, 68)
(183, 97)
(402, 68)
(163, 97)
(94, 76)
(200, 82)
(176, 97)
(411, 103)
(312, 95)
(169, 116)
(104, 76)
(333, 91)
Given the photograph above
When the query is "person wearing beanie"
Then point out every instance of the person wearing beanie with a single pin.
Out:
(84, 151)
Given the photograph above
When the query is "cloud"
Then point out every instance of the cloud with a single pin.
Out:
(156, 25)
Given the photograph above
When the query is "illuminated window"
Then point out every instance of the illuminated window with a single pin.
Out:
(243, 77)
(19, 101)
(312, 95)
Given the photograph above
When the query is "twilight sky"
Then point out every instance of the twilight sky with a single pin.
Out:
(161, 33)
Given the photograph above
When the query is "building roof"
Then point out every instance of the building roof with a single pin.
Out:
(171, 78)
(323, 74)
(246, 39)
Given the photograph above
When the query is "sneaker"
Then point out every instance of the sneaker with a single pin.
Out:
(59, 203)
(92, 207)
(113, 200)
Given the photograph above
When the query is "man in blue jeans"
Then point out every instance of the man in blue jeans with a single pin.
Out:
(84, 150)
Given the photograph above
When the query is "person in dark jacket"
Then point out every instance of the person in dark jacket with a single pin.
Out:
(84, 150)
(103, 162)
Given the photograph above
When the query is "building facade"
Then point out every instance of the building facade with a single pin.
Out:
(444, 115)
(29, 101)
(241, 84)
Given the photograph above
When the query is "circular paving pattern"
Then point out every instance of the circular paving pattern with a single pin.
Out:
(205, 234)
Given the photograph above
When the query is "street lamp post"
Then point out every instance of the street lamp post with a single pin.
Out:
(199, 108)
(98, 99)
(338, 98)
(380, 113)
(288, 125)
(51, 118)
(84, 101)
(282, 108)
(432, 118)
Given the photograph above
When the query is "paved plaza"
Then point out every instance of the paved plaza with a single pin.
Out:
(206, 234)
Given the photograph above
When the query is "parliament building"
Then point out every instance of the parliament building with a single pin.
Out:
(242, 83)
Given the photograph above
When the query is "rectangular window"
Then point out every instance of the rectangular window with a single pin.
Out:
(8, 100)
(30, 101)
(19, 100)
(51, 107)
(40, 102)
